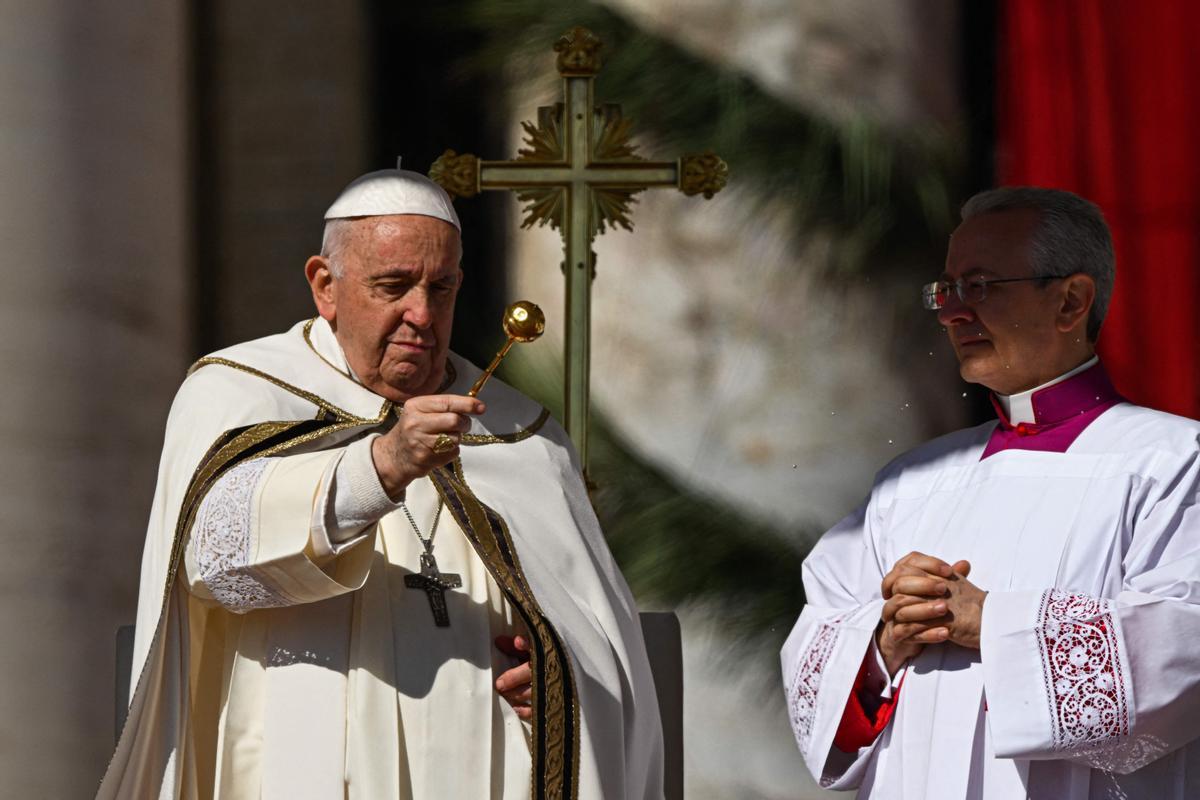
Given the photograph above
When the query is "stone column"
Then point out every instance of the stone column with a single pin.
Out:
(93, 341)
(284, 118)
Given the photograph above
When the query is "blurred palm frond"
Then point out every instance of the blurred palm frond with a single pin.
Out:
(676, 545)
(881, 188)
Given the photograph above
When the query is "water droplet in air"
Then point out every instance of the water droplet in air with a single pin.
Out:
(793, 466)
(890, 441)
(964, 394)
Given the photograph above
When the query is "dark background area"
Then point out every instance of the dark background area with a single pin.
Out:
(252, 145)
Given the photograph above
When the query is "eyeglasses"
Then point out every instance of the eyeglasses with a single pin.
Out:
(969, 290)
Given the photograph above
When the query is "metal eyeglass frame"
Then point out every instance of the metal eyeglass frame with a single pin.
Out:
(934, 295)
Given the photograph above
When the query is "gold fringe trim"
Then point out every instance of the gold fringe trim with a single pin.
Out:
(308, 341)
(316, 400)
(475, 439)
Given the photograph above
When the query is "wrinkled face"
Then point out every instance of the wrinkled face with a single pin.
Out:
(393, 305)
(1008, 342)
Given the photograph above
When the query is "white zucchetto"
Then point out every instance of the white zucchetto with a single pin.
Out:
(393, 191)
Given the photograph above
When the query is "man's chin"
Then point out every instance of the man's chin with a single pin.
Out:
(407, 379)
(975, 367)
(989, 373)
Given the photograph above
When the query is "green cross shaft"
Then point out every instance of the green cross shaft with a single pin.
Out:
(578, 173)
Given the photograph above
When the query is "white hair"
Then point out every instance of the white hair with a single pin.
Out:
(336, 239)
(1070, 237)
(333, 243)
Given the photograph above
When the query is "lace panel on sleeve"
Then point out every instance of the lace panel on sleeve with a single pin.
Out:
(223, 541)
(806, 683)
(1081, 664)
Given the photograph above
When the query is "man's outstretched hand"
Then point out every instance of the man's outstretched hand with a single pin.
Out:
(927, 601)
(407, 451)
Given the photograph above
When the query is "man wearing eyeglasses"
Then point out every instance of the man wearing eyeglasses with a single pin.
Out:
(1013, 612)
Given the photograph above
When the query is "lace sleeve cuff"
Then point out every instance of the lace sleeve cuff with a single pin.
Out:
(251, 542)
(224, 540)
(1053, 672)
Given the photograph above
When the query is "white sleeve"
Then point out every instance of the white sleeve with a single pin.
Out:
(1113, 682)
(352, 501)
(822, 656)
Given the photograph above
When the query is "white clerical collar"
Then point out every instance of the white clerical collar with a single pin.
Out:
(325, 342)
(1018, 407)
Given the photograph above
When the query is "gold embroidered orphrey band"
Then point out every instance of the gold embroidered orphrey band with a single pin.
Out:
(554, 698)
(319, 402)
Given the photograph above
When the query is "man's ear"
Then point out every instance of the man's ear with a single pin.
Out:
(1079, 292)
(320, 279)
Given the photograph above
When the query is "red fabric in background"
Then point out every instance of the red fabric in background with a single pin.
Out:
(1103, 99)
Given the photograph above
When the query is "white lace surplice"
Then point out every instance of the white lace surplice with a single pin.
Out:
(1087, 683)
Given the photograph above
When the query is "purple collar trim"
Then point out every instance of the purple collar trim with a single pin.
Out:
(1061, 412)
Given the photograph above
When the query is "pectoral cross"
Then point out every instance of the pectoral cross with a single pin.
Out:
(434, 584)
(578, 172)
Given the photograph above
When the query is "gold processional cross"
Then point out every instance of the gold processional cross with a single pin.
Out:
(578, 172)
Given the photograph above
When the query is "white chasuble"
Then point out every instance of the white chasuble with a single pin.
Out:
(434, 682)
(1087, 682)
(274, 662)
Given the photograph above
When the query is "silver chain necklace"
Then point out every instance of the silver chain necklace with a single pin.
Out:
(431, 580)
(437, 516)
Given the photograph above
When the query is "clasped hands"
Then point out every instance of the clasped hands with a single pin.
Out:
(927, 601)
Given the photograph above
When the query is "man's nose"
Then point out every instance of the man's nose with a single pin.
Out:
(419, 311)
(955, 311)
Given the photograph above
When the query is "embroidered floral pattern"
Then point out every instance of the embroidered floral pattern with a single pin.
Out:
(1081, 664)
(802, 694)
(223, 541)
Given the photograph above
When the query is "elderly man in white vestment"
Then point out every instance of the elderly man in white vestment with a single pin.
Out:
(361, 582)
(1014, 610)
